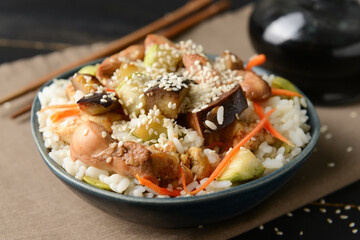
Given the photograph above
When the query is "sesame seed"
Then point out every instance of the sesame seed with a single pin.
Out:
(307, 210)
(261, 227)
(210, 125)
(328, 136)
(301, 233)
(86, 131)
(104, 134)
(276, 229)
(322, 201)
(349, 149)
(331, 164)
(329, 220)
(344, 216)
(169, 105)
(108, 160)
(151, 131)
(337, 211)
(354, 231)
(279, 233)
(347, 207)
(352, 224)
(323, 210)
(289, 214)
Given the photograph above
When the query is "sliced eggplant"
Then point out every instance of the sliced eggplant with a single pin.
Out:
(85, 82)
(167, 99)
(218, 114)
(232, 61)
(98, 103)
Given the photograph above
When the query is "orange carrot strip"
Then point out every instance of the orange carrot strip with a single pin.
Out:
(218, 144)
(59, 106)
(255, 61)
(279, 91)
(183, 179)
(110, 90)
(65, 113)
(156, 188)
(231, 154)
(260, 112)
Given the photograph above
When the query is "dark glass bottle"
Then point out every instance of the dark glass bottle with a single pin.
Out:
(314, 43)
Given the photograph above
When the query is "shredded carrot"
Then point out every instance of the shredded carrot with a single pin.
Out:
(255, 61)
(65, 113)
(60, 106)
(183, 179)
(279, 91)
(218, 144)
(110, 90)
(260, 112)
(156, 188)
(230, 154)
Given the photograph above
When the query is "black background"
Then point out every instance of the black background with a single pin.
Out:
(28, 28)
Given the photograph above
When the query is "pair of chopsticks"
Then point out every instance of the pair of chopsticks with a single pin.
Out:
(203, 9)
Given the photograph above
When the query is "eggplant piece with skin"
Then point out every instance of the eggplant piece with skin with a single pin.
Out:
(232, 61)
(168, 101)
(85, 82)
(218, 114)
(98, 103)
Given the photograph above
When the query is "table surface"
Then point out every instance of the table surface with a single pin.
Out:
(28, 28)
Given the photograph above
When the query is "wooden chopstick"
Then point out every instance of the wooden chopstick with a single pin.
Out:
(172, 31)
(117, 45)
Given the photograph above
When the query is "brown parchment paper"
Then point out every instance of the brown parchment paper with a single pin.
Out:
(34, 204)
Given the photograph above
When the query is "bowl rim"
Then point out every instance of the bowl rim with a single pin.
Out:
(314, 121)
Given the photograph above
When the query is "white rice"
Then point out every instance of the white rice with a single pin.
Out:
(289, 119)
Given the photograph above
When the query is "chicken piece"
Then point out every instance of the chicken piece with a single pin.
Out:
(152, 39)
(107, 68)
(70, 91)
(106, 119)
(165, 163)
(200, 165)
(199, 68)
(65, 131)
(235, 132)
(93, 145)
(255, 88)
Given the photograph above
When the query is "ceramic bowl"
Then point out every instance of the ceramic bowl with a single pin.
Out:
(179, 212)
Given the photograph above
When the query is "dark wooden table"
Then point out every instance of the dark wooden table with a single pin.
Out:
(28, 28)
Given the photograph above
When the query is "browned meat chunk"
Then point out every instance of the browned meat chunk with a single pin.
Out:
(152, 39)
(255, 88)
(238, 130)
(107, 68)
(200, 165)
(166, 167)
(92, 144)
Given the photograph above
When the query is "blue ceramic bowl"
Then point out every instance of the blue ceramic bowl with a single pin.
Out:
(179, 212)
